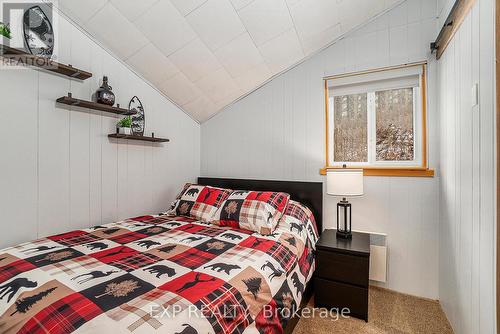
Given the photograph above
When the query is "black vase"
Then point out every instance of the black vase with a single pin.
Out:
(104, 95)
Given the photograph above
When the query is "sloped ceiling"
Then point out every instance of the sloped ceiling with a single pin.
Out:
(205, 54)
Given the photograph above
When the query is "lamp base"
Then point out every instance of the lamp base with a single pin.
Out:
(344, 235)
(345, 232)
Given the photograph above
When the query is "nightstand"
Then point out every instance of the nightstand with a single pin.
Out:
(342, 273)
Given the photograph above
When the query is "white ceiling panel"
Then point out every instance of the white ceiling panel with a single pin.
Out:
(316, 42)
(187, 6)
(216, 22)
(239, 4)
(311, 19)
(266, 19)
(283, 51)
(133, 9)
(292, 3)
(108, 25)
(253, 78)
(239, 55)
(165, 27)
(153, 64)
(228, 99)
(81, 11)
(195, 60)
(201, 108)
(205, 54)
(180, 89)
(218, 85)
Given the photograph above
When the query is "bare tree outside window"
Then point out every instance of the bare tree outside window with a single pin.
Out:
(394, 122)
(351, 128)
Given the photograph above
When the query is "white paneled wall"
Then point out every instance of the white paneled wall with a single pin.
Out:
(277, 132)
(58, 169)
(444, 9)
(467, 190)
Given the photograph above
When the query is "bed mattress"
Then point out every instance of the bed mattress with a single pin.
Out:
(157, 274)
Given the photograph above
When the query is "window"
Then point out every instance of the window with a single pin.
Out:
(394, 121)
(350, 123)
(376, 121)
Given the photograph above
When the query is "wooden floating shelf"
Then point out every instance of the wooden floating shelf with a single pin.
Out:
(143, 138)
(23, 58)
(71, 101)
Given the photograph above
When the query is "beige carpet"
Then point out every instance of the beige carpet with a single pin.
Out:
(389, 312)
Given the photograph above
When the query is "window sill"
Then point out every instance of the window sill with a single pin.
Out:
(389, 171)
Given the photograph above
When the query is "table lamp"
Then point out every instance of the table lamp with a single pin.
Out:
(344, 183)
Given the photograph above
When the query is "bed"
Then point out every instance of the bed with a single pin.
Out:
(164, 274)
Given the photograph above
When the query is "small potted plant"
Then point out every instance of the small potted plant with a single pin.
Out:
(4, 32)
(124, 126)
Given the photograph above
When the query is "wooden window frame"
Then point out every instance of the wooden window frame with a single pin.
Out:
(412, 171)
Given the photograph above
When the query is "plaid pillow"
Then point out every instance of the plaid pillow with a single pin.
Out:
(198, 202)
(257, 211)
(299, 217)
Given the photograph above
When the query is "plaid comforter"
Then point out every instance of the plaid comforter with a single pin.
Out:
(157, 274)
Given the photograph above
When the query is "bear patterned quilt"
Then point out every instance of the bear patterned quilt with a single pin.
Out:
(157, 274)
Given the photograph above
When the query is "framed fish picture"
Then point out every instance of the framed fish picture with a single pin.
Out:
(138, 118)
(38, 32)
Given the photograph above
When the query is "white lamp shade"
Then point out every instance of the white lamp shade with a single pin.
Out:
(345, 182)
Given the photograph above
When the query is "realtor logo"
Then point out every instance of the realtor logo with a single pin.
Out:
(29, 27)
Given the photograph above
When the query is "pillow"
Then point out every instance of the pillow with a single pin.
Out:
(257, 211)
(299, 218)
(198, 202)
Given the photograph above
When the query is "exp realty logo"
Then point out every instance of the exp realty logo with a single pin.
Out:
(28, 26)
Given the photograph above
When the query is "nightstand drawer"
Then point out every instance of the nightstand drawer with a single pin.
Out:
(330, 294)
(344, 268)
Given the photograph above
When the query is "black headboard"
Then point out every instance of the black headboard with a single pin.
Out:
(308, 193)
